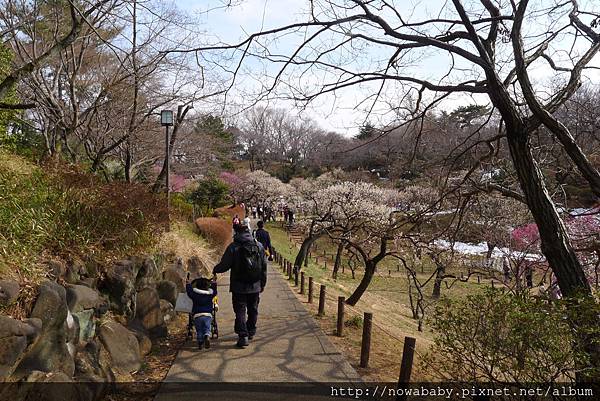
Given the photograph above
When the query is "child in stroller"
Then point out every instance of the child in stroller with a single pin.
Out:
(203, 293)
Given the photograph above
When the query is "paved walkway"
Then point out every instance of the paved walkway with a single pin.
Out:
(289, 347)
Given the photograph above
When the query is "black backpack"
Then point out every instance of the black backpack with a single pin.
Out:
(248, 262)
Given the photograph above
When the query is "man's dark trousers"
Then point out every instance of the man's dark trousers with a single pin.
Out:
(242, 304)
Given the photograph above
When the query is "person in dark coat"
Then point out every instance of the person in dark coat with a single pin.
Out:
(245, 294)
(201, 292)
(264, 238)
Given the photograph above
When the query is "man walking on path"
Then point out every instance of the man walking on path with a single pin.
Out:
(246, 258)
(264, 238)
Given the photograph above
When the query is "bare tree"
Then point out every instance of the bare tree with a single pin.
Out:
(19, 18)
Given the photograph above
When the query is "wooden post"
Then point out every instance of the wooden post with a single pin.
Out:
(365, 347)
(340, 316)
(310, 290)
(296, 278)
(322, 301)
(493, 284)
(289, 271)
(306, 261)
(302, 283)
(478, 279)
(406, 365)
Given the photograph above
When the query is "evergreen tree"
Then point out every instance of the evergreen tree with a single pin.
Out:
(213, 125)
(367, 131)
(466, 116)
(210, 194)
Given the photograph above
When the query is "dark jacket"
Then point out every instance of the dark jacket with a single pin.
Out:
(228, 259)
(203, 303)
(264, 238)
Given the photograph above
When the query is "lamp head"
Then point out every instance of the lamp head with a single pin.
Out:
(166, 117)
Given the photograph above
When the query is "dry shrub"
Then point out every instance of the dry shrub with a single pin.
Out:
(59, 210)
(183, 242)
(115, 217)
(215, 230)
(229, 212)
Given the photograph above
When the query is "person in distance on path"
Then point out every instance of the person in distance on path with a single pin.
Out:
(248, 263)
(247, 223)
(264, 238)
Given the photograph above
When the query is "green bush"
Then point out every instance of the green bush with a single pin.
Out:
(227, 165)
(210, 194)
(498, 337)
(181, 206)
(354, 321)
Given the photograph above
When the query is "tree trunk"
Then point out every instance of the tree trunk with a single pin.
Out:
(304, 248)
(489, 252)
(364, 283)
(136, 89)
(128, 162)
(96, 163)
(338, 260)
(555, 242)
(411, 301)
(437, 284)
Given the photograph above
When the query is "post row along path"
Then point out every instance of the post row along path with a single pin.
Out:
(289, 357)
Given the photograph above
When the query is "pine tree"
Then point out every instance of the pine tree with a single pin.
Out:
(366, 131)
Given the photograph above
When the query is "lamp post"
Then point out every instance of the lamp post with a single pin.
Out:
(166, 120)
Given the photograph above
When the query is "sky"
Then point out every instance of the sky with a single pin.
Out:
(342, 112)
